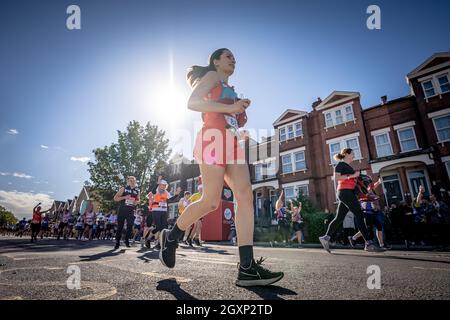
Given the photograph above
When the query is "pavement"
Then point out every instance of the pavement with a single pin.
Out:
(50, 269)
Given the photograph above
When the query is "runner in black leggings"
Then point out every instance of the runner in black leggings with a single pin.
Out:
(346, 178)
(128, 197)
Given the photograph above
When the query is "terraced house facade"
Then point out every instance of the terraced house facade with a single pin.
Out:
(405, 141)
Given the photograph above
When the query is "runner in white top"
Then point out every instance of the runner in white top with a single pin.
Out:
(89, 219)
(137, 225)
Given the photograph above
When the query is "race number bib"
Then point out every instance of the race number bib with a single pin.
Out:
(232, 122)
(129, 202)
(163, 205)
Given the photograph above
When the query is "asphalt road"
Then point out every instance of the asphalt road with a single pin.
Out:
(40, 271)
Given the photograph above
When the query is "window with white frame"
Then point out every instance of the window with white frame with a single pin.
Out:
(282, 134)
(383, 144)
(328, 119)
(353, 143)
(338, 119)
(292, 192)
(258, 171)
(289, 193)
(337, 146)
(349, 113)
(286, 162)
(442, 125)
(293, 161)
(444, 85)
(303, 189)
(428, 88)
(299, 158)
(298, 129)
(436, 84)
(291, 131)
(339, 116)
(271, 170)
(407, 139)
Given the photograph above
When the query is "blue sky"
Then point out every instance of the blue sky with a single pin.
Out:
(66, 92)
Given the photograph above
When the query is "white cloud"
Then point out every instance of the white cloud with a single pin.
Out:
(10, 183)
(16, 175)
(76, 181)
(44, 146)
(50, 192)
(81, 159)
(21, 175)
(22, 203)
(13, 131)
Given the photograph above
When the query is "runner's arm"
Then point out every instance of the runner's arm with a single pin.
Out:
(197, 101)
(118, 197)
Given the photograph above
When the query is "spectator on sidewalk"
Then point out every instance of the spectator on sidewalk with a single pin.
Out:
(298, 223)
(349, 228)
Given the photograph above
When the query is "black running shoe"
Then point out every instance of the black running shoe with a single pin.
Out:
(197, 242)
(257, 275)
(168, 249)
(117, 246)
(127, 244)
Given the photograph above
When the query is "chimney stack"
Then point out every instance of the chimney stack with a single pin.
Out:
(383, 99)
(316, 103)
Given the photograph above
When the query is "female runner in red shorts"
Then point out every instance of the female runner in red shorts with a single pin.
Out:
(220, 157)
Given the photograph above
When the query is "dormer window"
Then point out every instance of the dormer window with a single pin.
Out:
(428, 88)
(443, 83)
(339, 116)
(436, 84)
(291, 131)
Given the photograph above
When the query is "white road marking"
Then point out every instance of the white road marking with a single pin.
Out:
(434, 269)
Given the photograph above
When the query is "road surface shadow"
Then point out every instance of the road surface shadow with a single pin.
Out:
(171, 286)
(48, 245)
(271, 292)
(149, 255)
(390, 257)
(101, 255)
(210, 250)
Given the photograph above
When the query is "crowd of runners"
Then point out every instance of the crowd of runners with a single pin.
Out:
(131, 221)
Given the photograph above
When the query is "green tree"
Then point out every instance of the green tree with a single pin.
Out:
(6, 217)
(140, 151)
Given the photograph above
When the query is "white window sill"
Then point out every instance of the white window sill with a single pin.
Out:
(294, 138)
(410, 150)
(384, 156)
(294, 172)
(343, 123)
(437, 94)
